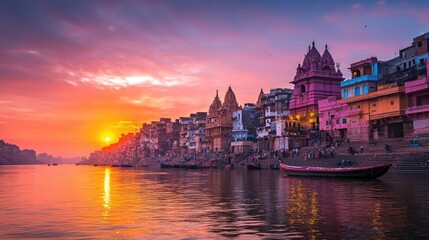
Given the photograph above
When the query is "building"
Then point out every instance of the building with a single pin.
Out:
(272, 106)
(316, 79)
(192, 133)
(244, 124)
(364, 78)
(417, 93)
(218, 130)
(333, 115)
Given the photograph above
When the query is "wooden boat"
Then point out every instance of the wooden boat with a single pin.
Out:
(185, 166)
(229, 166)
(254, 166)
(54, 164)
(274, 166)
(367, 172)
(126, 165)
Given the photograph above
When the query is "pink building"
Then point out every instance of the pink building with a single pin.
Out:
(315, 80)
(333, 115)
(417, 93)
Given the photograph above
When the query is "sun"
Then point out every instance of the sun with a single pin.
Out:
(107, 139)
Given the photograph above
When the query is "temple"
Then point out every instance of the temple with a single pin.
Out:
(219, 122)
(315, 79)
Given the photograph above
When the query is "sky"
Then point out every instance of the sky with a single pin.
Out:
(75, 72)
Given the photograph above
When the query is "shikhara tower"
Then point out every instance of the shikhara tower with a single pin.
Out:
(219, 122)
(316, 79)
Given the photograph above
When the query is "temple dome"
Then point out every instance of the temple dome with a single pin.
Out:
(313, 56)
(216, 105)
(230, 101)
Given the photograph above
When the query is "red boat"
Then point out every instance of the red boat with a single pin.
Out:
(368, 172)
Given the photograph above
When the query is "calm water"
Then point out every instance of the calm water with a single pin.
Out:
(85, 202)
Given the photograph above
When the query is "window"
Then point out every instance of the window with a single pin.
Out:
(365, 89)
(358, 106)
(404, 65)
(344, 120)
(345, 93)
(302, 88)
(357, 91)
(327, 123)
(419, 44)
(392, 102)
(374, 104)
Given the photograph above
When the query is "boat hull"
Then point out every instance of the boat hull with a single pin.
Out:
(370, 172)
(253, 167)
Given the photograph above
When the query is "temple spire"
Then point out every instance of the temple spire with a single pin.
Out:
(313, 43)
(217, 92)
(326, 47)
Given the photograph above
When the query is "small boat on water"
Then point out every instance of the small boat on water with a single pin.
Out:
(54, 164)
(229, 166)
(367, 172)
(254, 166)
(126, 165)
(274, 166)
(185, 166)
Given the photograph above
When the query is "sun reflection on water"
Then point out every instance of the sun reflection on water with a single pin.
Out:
(106, 193)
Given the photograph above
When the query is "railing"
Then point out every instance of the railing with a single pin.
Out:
(394, 113)
(418, 109)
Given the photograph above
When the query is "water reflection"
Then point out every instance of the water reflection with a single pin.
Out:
(72, 202)
(106, 193)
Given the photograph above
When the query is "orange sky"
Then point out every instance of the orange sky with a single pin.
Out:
(73, 72)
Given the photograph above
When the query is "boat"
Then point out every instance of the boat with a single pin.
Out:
(185, 166)
(229, 166)
(274, 166)
(254, 166)
(367, 172)
(126, 165)
(54, 164)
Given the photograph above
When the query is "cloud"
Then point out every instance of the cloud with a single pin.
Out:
(72, 69)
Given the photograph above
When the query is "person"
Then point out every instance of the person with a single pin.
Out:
(361, 149)
(387, 148)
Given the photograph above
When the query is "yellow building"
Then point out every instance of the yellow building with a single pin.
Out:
(379, 114)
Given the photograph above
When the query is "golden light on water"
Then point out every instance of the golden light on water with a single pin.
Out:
(106, 194)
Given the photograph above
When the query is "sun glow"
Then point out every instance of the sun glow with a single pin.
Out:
(107, 139)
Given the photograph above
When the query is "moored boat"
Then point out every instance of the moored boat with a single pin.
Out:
(229, 166)
(126, 165)
(254, 166)
(367, 172)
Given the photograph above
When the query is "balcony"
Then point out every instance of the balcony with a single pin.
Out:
(360, 79)
(417, 85)
(353, 112)
(394, 113)
(418, 109)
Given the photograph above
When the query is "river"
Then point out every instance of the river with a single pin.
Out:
(86, 202)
